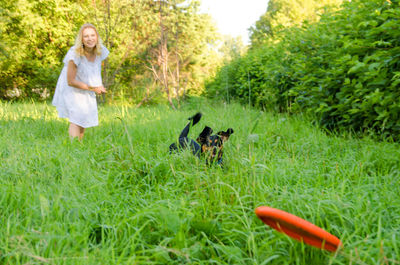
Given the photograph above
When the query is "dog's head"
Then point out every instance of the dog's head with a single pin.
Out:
(212, 145)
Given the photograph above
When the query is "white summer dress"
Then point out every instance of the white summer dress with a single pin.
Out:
(79, 105)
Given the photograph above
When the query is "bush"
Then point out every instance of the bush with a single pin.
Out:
(343, 69)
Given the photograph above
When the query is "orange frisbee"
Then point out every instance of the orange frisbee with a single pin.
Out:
(298, 228)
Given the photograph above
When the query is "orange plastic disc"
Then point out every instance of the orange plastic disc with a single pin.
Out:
(298, 228)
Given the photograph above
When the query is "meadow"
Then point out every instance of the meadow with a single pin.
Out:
(119, 197)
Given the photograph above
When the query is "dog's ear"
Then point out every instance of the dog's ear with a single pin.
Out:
(225, 135)
(204, 135)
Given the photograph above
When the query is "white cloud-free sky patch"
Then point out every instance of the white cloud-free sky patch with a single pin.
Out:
(234, 17)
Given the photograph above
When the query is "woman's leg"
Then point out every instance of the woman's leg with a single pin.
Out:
(76, 131)
(81, 132)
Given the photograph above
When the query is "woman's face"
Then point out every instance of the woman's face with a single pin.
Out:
(89, 37)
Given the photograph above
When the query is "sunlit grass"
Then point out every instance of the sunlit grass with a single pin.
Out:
(120, 198)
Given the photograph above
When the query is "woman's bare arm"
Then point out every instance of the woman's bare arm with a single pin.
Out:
(71, 79)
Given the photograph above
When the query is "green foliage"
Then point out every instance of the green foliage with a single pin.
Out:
(343, 69)
(261, 77)
(352, 82)
(282, 14)
(231, 48)
(35, 36)
(119, 197)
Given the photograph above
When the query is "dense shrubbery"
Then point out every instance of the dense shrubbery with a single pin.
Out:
(345, 69)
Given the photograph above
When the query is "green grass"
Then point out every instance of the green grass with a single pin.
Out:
(120, 198)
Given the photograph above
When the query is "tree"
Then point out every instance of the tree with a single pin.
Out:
(286, 13)
(35, 36)
(342, 70)
(178, 58)
(232, 48)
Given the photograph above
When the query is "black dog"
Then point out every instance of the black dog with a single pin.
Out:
(209, 145)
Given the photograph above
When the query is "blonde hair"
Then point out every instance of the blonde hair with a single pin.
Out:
(78, 41)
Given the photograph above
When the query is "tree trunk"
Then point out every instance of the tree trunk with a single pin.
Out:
(164, 56)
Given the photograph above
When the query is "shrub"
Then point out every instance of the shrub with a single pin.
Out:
(343, 69)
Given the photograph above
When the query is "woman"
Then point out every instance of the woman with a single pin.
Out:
(80, 81)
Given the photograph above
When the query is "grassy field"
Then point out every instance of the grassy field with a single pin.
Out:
(120, 198)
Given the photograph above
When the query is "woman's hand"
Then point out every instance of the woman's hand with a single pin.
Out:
(71, 79)
(99, 89)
